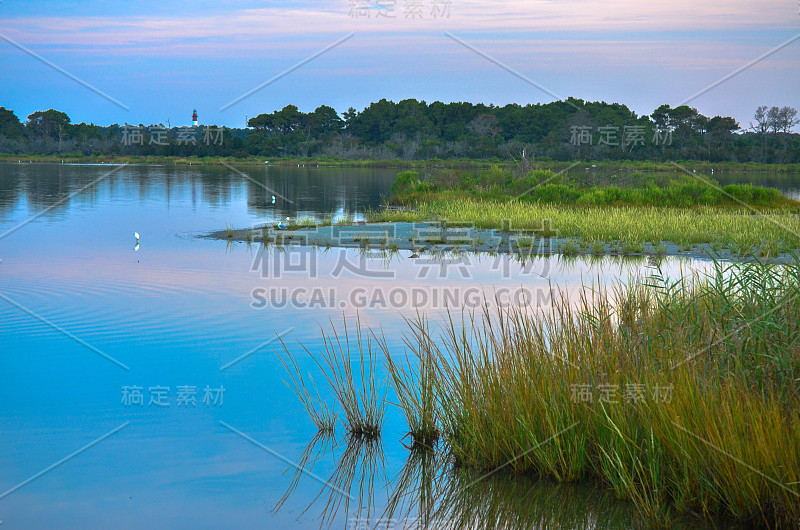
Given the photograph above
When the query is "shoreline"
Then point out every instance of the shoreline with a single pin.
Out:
(433, 237)
(628, 165)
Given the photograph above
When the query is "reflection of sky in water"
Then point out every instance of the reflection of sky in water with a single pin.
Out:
(175, 312)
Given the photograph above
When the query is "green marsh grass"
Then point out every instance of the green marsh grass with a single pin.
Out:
(682, 396)
(415, 387)
(320, 413)
(598, 248)
(360, 395)
(570, 248)
(730, 227)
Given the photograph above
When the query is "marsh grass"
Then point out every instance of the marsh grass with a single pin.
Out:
(632, 247)
(728, 227)
(359, 394)
(659, 249)
(701, 378)
(570, 248)
(525, 242)
(320, 413)
(307, 222)
(415, 388)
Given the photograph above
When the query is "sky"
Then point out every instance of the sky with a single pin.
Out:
(155, 61)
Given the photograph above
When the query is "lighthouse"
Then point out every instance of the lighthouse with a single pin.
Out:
(194, 118)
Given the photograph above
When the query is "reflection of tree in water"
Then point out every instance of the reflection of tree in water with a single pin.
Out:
(430, 492)
(319, 190)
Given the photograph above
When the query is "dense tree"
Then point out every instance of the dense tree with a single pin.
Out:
(10, 126)
(325, 120)
(412, 129)
(47, 123)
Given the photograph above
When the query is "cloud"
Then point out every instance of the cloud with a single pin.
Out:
(253, 29)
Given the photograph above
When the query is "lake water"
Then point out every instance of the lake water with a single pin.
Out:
(90, 324)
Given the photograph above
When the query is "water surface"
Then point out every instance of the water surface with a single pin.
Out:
(85, 319)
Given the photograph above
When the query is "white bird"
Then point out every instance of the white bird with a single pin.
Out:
(273, 199)
(136, 235)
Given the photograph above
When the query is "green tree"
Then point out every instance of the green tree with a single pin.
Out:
(326, 120)
(10, 126)
(49, 123)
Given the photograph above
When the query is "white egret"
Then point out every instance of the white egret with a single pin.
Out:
(136, 235)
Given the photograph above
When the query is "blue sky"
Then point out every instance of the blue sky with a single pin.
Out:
(163, 59)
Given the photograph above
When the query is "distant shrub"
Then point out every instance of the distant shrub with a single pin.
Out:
(751, 194)
(555, 194)
(405, 182)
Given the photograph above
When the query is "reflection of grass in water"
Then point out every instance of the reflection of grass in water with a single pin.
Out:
(386, 255)
(471, 500)
(361, 463)
(358, 469)
(321, 444)
(415, 486)
(429, 492)
(601, 260)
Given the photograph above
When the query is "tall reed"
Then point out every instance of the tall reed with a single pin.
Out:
(416, 388)
(320, 413)
(359, 394)
(681, 395)
(361, 398)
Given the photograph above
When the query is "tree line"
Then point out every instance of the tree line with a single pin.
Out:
(411, 129)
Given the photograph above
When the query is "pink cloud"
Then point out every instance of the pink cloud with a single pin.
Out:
(263, 27)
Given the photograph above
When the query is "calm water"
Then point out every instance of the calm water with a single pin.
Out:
(85, 319)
